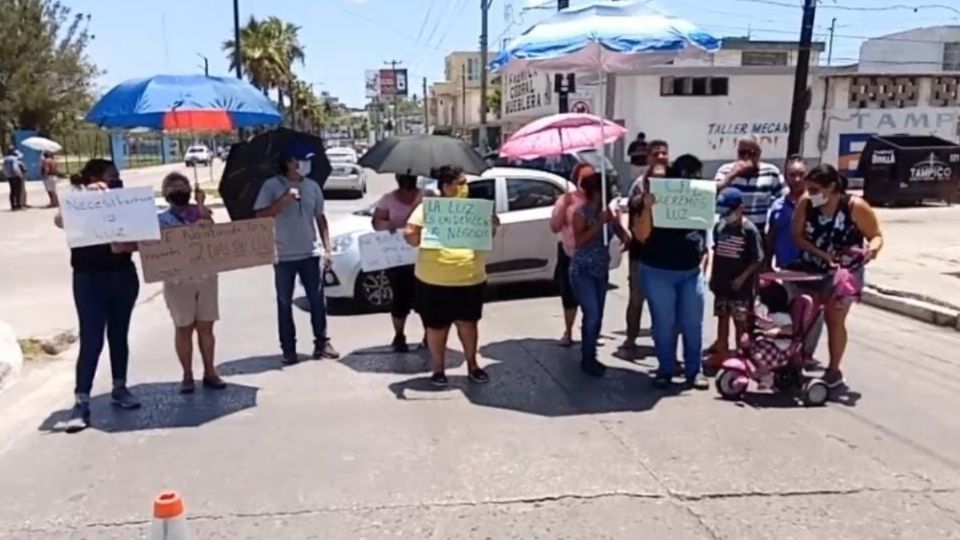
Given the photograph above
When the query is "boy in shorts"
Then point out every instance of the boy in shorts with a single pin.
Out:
(737, 257)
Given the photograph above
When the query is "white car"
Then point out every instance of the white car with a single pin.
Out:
(336, 155)
(197, 154)
(346, 177)
(524, 249)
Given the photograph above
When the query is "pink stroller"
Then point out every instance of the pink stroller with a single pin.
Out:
(759, 357)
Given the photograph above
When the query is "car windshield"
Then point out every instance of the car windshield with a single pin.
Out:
(197, 149)
(340, 169)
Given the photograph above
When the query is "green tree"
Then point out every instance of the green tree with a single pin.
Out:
(46, 77)
(269, 49)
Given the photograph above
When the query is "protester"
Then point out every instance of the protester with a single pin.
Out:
(831, 227)
(781, 250)
(761, 183)
(297, 204)
(672, 279)
(105, 289)
(450, 286)
(391, 214)
(193, 302)
(561, 222)
(638, 155)
(13, 171)
(593, 226)
(737, 257)
(659, 155)
(48, 169)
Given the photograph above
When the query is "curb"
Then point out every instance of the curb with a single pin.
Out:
(906, 304)
(11, 357)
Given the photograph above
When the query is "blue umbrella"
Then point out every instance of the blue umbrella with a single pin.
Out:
(605, 37)
(184, 102)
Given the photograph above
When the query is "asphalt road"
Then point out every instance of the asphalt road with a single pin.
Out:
(364, 448)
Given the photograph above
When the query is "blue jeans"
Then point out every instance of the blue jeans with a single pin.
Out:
(104, 305)
(591, 292)
(675, 298)
(285, 277)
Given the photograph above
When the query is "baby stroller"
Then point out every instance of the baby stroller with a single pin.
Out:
(759, 357)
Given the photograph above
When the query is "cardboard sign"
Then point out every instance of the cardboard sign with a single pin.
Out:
(196, 251)
(684, 204)
(457, 224)
(116, 215)
(381, 250)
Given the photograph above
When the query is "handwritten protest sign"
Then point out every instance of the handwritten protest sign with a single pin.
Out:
(191, 252)
(116, 215)
(382, 249)
(457, 223)
(684, 204)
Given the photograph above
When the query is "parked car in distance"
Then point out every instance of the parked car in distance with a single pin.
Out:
(563, 165)
(197, 154)
(524, 249)
(346, 176)
(348, 155)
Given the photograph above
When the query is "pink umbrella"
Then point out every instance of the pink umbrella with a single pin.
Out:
(559, 134)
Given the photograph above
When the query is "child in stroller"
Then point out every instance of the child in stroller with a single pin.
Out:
(773, 354)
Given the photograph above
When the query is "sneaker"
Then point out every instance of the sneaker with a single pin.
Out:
(399, 344)
(79, 418)
(833, 378)
(439, 379)
(479, 376)
(698, 382)
(327, 351)
(123, 398)
(593, 368)
(290, 359)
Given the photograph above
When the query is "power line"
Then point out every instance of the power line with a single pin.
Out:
(891, 7)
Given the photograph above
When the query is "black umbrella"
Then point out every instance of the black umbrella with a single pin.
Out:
(251, 163)
(418, 154)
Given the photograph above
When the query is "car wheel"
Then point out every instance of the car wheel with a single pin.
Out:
(373, 291)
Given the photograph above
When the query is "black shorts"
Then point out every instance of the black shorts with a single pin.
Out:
(403, 283)
(562, 277)
(439, 306)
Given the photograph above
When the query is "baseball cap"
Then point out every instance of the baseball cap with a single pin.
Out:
(729, 200)
(299, 151)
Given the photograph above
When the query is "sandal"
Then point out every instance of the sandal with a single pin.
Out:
(214, 383)
(187, 386)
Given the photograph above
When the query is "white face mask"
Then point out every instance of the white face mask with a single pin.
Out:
(304, 168)
(731, 219)
(818, 200)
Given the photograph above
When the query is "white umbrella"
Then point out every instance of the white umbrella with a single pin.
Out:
(41, 144)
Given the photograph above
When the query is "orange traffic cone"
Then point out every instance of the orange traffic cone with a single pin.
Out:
(169, 518)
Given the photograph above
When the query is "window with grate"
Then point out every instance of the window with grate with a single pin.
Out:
(945, 92)
(764, 58)
(694, 86)
(883, 92)
(951, 56)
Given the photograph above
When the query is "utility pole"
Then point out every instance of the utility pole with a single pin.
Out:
(833, 26)
(426, 109)
(798, 112)
(393, 67)
(463, 96)
(206, 65)
(238, 47)
(484, 11)
(563, 90)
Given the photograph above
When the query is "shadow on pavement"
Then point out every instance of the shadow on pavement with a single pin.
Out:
(535, 376)
(254, 365)
(384, 360)
(163, 408)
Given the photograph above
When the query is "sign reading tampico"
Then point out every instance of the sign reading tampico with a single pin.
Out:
(192, 252)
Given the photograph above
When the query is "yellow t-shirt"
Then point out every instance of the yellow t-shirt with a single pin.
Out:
(448, 267)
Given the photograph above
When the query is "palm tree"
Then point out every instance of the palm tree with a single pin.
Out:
(269, 49)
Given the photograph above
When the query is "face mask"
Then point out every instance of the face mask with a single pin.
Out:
(731, 219)
(304, 168)
(179, 198)
(463, 191)
(819, 199)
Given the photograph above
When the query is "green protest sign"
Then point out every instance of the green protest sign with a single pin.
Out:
(457, 224)
(683, 203)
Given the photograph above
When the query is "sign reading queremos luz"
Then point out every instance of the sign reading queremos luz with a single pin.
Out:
(526, 92)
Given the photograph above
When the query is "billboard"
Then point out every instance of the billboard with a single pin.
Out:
(372, 83)
(393, 83)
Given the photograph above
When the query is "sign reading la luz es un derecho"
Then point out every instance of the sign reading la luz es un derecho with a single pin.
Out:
(455, 223)
(196, 251)
(117, 215)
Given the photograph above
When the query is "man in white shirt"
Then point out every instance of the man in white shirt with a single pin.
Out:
(759, 182)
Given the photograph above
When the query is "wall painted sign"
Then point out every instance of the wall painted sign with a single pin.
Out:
(526, 92)
(724, 136)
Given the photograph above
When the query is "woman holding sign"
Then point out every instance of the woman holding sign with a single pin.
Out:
(105, 289)
(193, 303)
(672, 278)
(391, 214)
(450, 285)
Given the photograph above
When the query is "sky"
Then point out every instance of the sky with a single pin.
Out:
(342, 38)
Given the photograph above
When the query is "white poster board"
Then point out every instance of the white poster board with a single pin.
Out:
(381, 250)
(116, 215)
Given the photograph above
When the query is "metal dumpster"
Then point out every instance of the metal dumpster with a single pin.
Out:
(909, 169)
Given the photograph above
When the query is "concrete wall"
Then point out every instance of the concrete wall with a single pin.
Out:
(914, 51)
